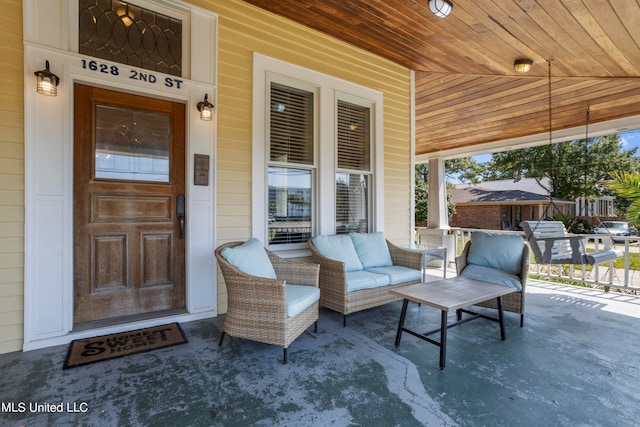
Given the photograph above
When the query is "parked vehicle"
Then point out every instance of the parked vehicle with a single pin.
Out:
(615, 229)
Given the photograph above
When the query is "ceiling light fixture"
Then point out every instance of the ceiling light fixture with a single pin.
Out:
(522, 66)
(440, 8)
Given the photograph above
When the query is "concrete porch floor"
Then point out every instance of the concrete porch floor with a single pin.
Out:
(576, 362)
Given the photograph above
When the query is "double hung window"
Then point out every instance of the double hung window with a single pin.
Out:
(291, 165)
(317, 156)
(354, 168)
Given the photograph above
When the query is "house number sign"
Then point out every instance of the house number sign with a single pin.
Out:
(131, 73)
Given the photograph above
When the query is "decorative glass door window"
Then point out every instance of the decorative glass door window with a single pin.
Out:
(132, 145)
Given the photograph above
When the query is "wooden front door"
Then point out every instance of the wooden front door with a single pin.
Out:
(129, 160)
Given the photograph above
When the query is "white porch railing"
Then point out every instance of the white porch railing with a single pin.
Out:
(605, 274)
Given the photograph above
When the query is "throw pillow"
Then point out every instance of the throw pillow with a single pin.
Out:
(250, 258)
(372, 249)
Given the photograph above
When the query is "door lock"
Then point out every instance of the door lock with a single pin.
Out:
(180, 213)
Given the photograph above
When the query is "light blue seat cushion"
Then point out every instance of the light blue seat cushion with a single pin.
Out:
(300, 297)
(492, 275)
(372, 249)
(398, 273)
(499, 251)
(358, 280)
(339, 248)
(250, 258)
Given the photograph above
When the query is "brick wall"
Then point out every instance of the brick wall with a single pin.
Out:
(488, 217)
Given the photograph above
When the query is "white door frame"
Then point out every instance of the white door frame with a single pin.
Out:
(48, 273)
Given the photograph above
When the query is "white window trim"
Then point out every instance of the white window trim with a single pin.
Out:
(329, 90)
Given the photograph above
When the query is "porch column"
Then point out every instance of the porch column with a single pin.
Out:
(437, 209)
(437, 231)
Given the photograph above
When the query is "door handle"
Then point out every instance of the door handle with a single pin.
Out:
(180, 213)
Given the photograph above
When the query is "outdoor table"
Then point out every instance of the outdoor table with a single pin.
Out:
(449, 295)
(431, 252)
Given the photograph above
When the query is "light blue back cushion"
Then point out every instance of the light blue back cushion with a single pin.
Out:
(340, 248)
(500, 251)
(372, 249)
(250, 258)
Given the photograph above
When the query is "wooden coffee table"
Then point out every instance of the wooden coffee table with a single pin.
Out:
(449, 295)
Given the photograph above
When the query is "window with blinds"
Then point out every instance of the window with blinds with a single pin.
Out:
(354, 168)
(291, 165)
(354, 141)
(291, 125)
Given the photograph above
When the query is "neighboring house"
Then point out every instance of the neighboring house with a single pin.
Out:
(503, 204)
(603, 207)
(77, 253)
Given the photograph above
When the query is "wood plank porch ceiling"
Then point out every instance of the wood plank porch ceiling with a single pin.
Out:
(467, 92)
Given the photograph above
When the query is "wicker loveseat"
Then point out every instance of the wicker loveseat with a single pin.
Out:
(357, 270)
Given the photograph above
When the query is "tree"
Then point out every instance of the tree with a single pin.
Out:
(574, 168)
(465, 169)
(627, 185)
(422, 201)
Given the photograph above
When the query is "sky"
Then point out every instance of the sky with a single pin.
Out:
(629, 140)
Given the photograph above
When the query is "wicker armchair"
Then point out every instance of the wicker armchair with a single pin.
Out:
(257, 306)
(333, 282)
(513, 302)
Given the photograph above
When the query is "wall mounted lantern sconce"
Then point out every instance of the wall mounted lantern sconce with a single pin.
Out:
(440, 8)
(522, 66)
(47, 82)
(205, 108)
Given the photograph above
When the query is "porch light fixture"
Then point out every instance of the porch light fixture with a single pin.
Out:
(522, 66)
(47, 82)
(205, 108)
(440, 8)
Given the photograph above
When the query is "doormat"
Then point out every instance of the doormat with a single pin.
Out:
(90, 350)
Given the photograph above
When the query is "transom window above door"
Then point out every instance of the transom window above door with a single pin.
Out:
(122, 32)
